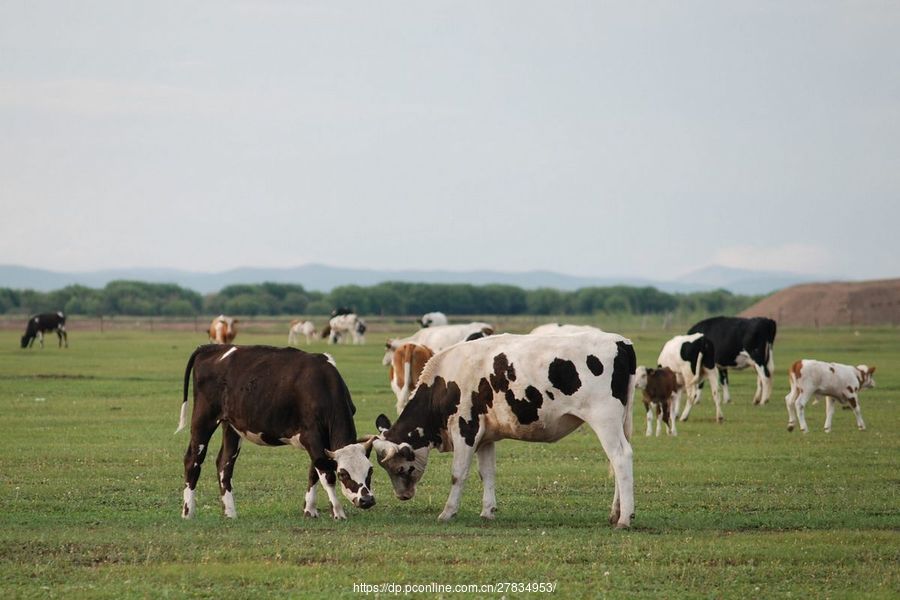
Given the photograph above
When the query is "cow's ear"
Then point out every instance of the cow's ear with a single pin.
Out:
(871, 370)
(382, 423)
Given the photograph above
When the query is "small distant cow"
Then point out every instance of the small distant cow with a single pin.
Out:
(222, 330)
(42, 323)
(835, 381)
(298, 328)
(406, 367)
(660, 387)
(274, 397)
(692, 358)
(347, 325)
(521, 387)
(740, 343)
(433, 319)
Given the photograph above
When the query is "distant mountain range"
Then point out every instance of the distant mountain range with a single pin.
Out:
(324, 278)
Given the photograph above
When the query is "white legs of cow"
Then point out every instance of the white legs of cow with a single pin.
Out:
(487, 469)
(692, 391)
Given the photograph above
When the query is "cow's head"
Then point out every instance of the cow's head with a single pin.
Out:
(864, 373)
(404, 465)
(640, 377)
(25, 339)
(389, 348)
(354, 471)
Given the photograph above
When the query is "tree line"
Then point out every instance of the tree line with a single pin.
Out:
(388, 299)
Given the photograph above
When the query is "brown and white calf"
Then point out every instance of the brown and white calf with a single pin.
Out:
(439, 337)
(298, 328)
(520, 387)
(835, 381)
(659, 389)
(692, 358)
(274, 397)
(406, 367)
(222, 330)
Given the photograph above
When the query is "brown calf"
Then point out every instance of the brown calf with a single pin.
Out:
(406, 366)
(659, 387)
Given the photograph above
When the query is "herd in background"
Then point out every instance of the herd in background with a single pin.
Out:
(460, 388)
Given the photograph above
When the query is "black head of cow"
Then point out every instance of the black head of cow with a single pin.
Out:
(404, 465)
(354, 471)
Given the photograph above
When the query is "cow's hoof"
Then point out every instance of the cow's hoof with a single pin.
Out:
(313, 514)
(445, 516)
(720, 420)
(790, 427)
(863, 428)
(623, 526)
(488, 513)
(338, 515)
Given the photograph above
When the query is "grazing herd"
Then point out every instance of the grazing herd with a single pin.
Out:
(461, 388)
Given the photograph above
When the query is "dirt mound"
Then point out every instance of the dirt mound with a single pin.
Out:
(826, 304)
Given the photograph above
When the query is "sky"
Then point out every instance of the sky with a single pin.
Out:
(631, 138)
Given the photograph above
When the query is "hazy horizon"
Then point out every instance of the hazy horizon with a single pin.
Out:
(592, 139)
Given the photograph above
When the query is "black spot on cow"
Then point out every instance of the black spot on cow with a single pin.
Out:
(549, 394)
(438, 401)
(482, 399)
(691, 350)
(594, 364)
(526, 410)
(564, 376)
(624, 366)
(500, 377)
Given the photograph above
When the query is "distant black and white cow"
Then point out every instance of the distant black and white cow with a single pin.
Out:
(521, 387)
(741, 343)
(274, 397)
(692, 359)
(659, 387)
(433, 319)
(837, 382)
(42, 323)
(345, 325)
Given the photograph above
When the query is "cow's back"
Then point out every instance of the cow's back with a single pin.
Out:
(251, 384)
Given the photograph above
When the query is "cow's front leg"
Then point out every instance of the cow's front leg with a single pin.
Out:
(713, 377)
(309, 507)
(462, 460)
(328, 479)
(670, 416)
(800, 407)
(649, 419)
(487, 470)
(854, 404)
(829, 413)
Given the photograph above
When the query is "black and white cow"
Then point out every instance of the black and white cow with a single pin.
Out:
(42, 323)
(741, 343)
(692, 359)
(275, 397)
(521, 387)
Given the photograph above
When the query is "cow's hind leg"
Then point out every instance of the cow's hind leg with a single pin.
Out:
(201, 431)
(854, 404)
(228, 453)
(487, 470)
(462, 460)
(618, 449)
(723, 382)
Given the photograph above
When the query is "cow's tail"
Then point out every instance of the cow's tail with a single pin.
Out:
(182, 420)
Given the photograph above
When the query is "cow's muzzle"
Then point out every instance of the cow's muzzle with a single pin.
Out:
(366, 502)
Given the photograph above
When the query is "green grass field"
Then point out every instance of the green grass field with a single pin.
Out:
(91, 480)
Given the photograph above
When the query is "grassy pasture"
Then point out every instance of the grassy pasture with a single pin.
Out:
(91, 479)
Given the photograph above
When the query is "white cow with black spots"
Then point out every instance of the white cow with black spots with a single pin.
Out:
(837, 382)
(692, 359)
(521, 387)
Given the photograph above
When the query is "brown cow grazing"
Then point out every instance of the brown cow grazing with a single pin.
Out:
(659, 386)
(274, 397)
(221, 330)
(406, 366)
